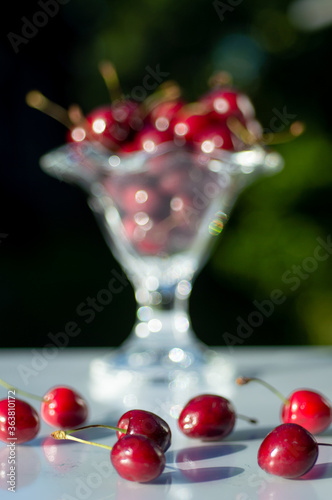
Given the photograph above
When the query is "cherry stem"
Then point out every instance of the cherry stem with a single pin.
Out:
(37, 100)
(20, 391)
(246, 380)
(117, 429)
(295, 130)
(241, 131)
(220, 79)
(166, 92)
(324, 444)
(61, 434)
(66, 435)
(111, 79)
(247, 419)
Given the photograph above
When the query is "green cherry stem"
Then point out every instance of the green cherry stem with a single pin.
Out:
(246, 380)
(117, 429)
(247, 419)
(66, 435)
(20, 391)
(61, 434)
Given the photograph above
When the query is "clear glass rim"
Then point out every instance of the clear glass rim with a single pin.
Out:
(99, 160)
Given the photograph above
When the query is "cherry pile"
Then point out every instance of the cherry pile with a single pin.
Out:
(159, 208)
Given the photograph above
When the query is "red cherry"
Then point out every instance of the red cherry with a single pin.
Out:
(64, 408)
(18, 421)
(136, 198)
(164, 113)
(207, 417)
(189, 121)
(310, 409)
(148, 424)
(148, 139)
(216, 136)
(138, 458)
(102, 126)
(224, 102)
(288, 451)
(128, 113)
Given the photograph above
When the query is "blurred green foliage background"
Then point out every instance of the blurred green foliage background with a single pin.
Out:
(53, 255)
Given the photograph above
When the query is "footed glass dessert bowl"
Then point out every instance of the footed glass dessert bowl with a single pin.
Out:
(161, 213)
(161, 177)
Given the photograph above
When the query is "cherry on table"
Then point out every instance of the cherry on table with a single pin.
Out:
(305, 407)
(138, 458)
(148, 424)
(19, 423)
(209, 417)
(64, 408)
(288, 451)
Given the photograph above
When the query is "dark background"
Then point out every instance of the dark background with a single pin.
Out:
(52, 254)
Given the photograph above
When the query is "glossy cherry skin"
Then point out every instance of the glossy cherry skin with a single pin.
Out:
(128, 112)
(164, 113)
(215, 136)
(187, 123)
(147, 139)
(288, 451)
(64, 408)
(224, 102)
(209, 417)
(309, 409)
(100, 125)
(20, 422)
(147, 424)
(138, 458)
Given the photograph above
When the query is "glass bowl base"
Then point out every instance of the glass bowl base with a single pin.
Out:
(134, 376)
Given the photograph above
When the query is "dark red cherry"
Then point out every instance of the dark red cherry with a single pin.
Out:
(148, 424)
(101, 126)
(214, 137)
(138, 458)
(224, 102)
(208, 417)
(164, 113)
(189, 121)
(136, 198)
(288, 451)
(309, 409)
(19, 421)
(64, 408)
(148, 139)
(128, 112)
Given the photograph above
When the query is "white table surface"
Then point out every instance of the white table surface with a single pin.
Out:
(226, 469)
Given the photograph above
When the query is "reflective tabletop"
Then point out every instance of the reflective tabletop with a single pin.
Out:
(67, 470)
